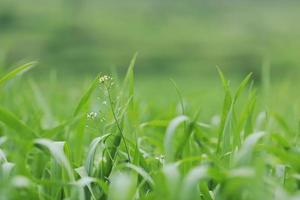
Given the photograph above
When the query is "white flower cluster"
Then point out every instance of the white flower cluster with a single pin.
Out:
(104, 79)
(92, 115)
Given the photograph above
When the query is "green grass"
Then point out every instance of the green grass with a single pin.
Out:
(106, 144)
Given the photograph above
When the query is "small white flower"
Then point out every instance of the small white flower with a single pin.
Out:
(92, 115)
(104, 79)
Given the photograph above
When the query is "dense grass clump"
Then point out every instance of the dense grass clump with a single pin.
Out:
(114, 150)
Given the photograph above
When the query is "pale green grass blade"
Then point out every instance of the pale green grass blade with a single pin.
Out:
(129, 78)
(223, 79)
(7, 169)
(85, 181)
(168, 141)
(16, 72)
(122, 187)
(57, 151)
(224, 130)
(246, 119)
(244, 155)
(179, 96)
(155, 123)
(190, 182)
(173, 179)
(242, 86)
(91, 153)
(226, 126)
(188, 130)
(141, 172)
(281, 173)
(2, 157)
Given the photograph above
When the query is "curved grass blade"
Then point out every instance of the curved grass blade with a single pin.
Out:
(84, 99)
(245, 153)
(191, 181)
(169, 150)
(14, 123)
(17, 71)
(91, 153)
(56, 150)
(141, 172)
(122, 187)
(173, 179)
(242, 87)
(85, 181)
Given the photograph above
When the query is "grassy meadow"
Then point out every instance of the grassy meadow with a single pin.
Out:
(109, 143)
(207, 109)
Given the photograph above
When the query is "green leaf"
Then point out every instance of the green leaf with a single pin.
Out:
(14, 123)
(16, 72)
(171, 130)
(179, 96)
(91, 153)
(129, 78)
(242, 86)
(141, 172)
(85, 98)
(57, 151)
(244, 155)
(190, 182)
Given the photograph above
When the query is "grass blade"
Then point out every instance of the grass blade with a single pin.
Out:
(169, 150)
(14, 123)
(17, 71)
(91, 153)
(84, 99)
(56, 150)
(191, 181)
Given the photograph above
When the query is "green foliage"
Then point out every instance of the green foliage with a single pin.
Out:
(120, 152)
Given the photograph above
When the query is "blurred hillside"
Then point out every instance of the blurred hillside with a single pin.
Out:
(172, 37)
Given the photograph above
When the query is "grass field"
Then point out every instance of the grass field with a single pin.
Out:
(112, 142)
(208, 110)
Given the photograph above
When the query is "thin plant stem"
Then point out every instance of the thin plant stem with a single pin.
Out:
(117, 122)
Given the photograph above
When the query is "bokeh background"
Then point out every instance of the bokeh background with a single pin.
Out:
(182, 40)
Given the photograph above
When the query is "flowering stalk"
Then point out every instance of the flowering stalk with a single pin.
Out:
(106, 81)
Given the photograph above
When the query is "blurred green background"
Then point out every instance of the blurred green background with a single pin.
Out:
(183, 40)
(187, 37)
